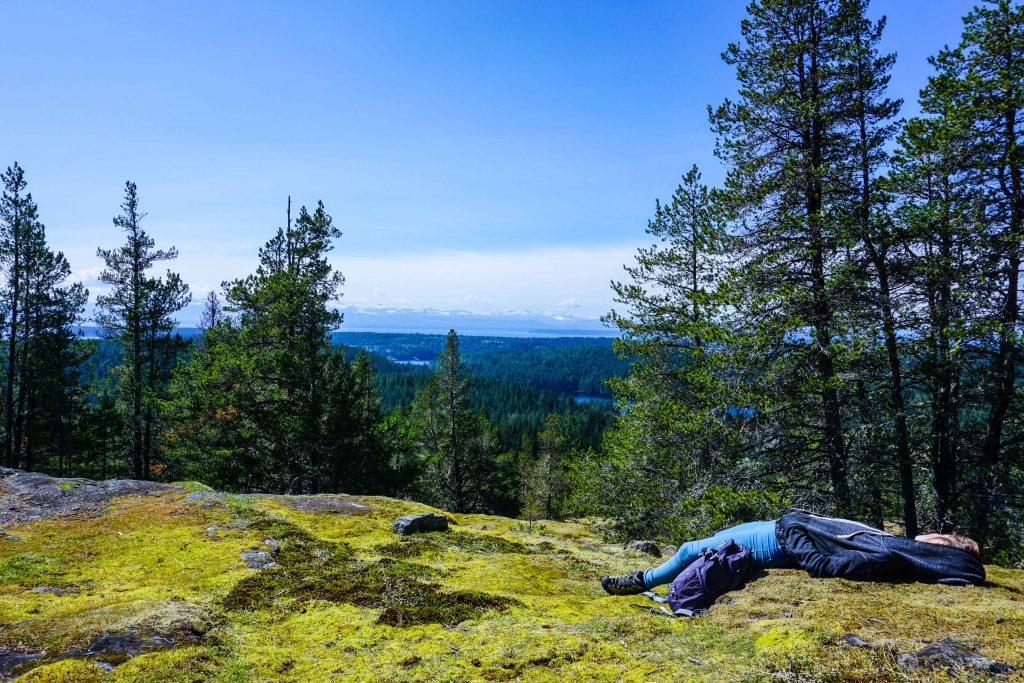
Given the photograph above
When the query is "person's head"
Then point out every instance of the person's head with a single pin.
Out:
(961, 542)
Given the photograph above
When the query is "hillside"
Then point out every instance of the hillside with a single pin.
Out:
(129, 581)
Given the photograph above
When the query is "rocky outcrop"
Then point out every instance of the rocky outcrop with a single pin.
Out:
(421, 523)
(27, 496)
(204, 499)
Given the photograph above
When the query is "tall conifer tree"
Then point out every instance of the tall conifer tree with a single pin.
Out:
(786, 143)
(43, 352)
(138, 312)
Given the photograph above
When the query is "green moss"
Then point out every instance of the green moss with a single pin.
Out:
(194, 487)
(184, 665)
(784, 641)
(465, 541)
(26, 569)
(311, 569)
(64, 485)
(511, 667)
(65, 671)
(351, 601)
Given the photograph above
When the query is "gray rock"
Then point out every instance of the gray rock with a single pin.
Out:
(27, 496)
(853, 640)
(205, 499)
(109, 650)
(10, 659)
(331, 504)
(644, 548)
(258, 559)
(948, 653)
(909, 661)
(421, 523)
(54, 590)
(272, 545)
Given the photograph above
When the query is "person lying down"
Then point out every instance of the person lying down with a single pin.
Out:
(826, 547)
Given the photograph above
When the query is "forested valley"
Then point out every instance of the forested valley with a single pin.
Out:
(264, 396)
(836, 326)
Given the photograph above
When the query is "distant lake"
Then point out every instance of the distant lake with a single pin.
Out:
(411, 361)
(592, 398)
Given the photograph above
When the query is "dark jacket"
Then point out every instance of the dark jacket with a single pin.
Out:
(830, 547)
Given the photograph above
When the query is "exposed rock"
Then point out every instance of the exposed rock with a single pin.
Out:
(643, 548)
(55, 590)
(129, 644)
(205, 499)
(853, 640)
(27, 496)
(10, 659)
(421, 523)
(258, 559)
(332, 504)
(116, 648)
(951, 654)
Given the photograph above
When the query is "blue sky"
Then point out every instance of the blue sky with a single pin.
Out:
(483, 156)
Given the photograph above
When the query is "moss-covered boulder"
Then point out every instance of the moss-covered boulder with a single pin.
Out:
(153, 586)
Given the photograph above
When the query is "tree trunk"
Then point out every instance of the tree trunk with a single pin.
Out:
(835, 447)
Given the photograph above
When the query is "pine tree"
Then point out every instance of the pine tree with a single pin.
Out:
(992, 53)
(283, 319)
(265, 395)
(52, 376)
(138, 312)
(977, 95)
(41, 383)
(663, 443)
(212, 313)
(20, 219)
(544, 480)
(933, 221)
(786, 143)
(871, 115)
(456, 443)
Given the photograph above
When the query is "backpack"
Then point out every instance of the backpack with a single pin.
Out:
(716, 571)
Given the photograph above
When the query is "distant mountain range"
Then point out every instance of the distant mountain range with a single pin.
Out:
(431, 321)
(510, 323)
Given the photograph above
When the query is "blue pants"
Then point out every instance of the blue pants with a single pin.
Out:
(758, 536)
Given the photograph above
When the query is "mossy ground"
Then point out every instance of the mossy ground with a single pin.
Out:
(489, 600)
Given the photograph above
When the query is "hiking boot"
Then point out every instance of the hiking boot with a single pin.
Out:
(627, 584)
